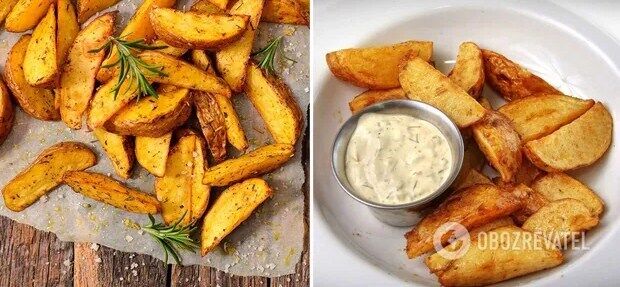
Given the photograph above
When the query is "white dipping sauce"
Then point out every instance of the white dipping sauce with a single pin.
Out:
(396, 159)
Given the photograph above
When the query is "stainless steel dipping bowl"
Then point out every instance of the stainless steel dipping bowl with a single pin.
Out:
(409, 213)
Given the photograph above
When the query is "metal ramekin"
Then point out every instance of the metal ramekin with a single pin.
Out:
(403, 214)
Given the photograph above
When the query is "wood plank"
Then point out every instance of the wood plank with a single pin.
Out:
(205, 276)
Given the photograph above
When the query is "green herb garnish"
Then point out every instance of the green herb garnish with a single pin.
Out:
(268, 54)
(172, 238)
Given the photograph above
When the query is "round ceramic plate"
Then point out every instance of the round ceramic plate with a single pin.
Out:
(350, 246)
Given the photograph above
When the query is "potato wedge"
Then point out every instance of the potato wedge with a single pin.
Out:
(200, 191)
(40, 61)
(259, 161)
(212, 124)
(537, 116)
(483, 264)
(371, 97)
(472, 177)
(575, 145)
(38, 103)
(376, 68)
(120, 150)
(153, 117)
(202, 60)
(472, 207)
(152, 153)
(232, 60)
(473, 159)
(500, 143)
(510, 80)
(275, 104)
(7, 112)
(207, 7)
(526, 173)
(193, 30)
(497, 223)
(88, 8)
(561, 220)
(5, 8)
(424, 83)
(230, 209)
(169, 50)
(284, 12)
(105, 104)
(67, 31)
(77, 79)
(26, 14)
(531, 204)
(556, 186)
(110, 191)
(46, 173)
(468, 71)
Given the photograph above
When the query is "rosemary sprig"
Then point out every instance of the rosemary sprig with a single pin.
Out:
(172, 238)
(268, 54)
(131, 67)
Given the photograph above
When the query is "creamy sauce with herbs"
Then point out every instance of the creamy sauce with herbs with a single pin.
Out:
(396, 159)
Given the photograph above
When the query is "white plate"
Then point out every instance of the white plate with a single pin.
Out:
(350, 247)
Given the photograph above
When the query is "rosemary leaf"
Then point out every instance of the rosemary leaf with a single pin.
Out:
(268, 55)
(172, 238)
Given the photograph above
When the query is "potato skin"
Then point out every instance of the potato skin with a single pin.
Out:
(371, 97)
(6, 113)
(212, 123)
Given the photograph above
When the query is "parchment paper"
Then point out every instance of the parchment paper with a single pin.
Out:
(268, 244)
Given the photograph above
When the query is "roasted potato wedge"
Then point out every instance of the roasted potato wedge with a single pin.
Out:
(556, 186)
(284, 12)
(153, 117)
(5, 8)
(275, 104)
(578, 144)
(230, 209)
(200, 191)
(88, 8)
(526, 173)
(169, 49)
(371, 97)
(26, 14)
(193, 30)
(468, 71)
(152, 153)
(105, 103)
(376, 68)
(497, 223)
(259, 161)
(45, 173)
(67, 31)
(560, 220)
(120, 150)
(422, 82)
(471, 207)
(483, 265)
(202, 60)
(531, 204)
(7, 112)
(39, 103)
(212, 124)
(472, 177)
(500, 143)
(510, 80)
(40, 61)
(207, 7)
(110, 191)
(537, 116)
(77, 79)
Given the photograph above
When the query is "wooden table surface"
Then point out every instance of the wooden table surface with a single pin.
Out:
(29, 257)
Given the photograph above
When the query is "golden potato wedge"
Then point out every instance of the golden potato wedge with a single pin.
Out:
(200, 191)
(77, 79)
(120, 150)
(510, 80)
(275, 104)
(182, 74)
(138, 27)
(371, 97)
(67, 30)
(88, 8)
(472, 207)
(153, 117)
(152, 153)
(472, 177)
(259, 161)
(497, 223)
(232, 60)
(207, 7)
(484, 264)
(537, 116)
(561, 220)
(284, 12)
(531, 204)
(40, 61)
(422, 82)
(202, 60)
(555, 186)
(5, 8)
(169, 49)
(212, 124)
(230, 209)
(26, 14)
(38, 103)
(46, 173)
(500, 143)
(110, 191)
(105, 104)
(575, 145)
(468, 71)
(7, 112)
(376, 68)
(193, 30)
